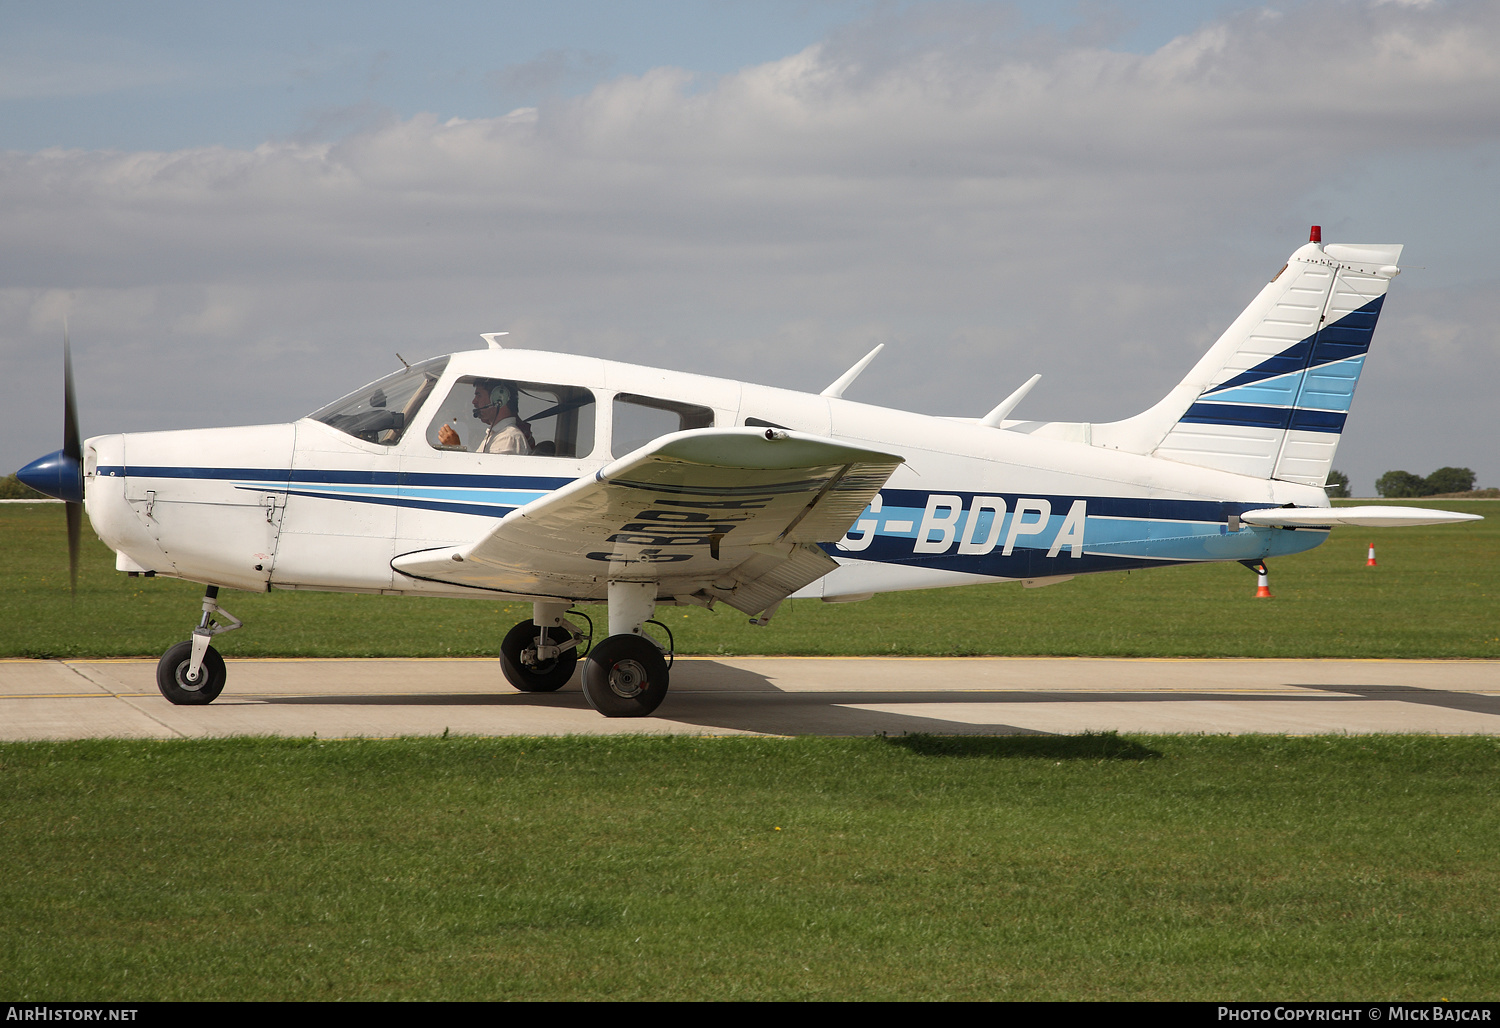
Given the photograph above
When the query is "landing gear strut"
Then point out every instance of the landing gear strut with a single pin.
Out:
(626, 674)
(192, 672)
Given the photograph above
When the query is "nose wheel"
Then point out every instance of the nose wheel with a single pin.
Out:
(176, 683)
(192, 673)
(625, 676)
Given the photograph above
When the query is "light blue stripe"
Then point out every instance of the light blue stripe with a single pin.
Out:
(500, 497)
(1331, 386)
(1280, 391)
(1325, 387)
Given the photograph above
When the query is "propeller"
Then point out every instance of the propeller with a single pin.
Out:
(73, 450)
(60, 474)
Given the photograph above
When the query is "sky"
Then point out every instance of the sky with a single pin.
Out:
(245, 211)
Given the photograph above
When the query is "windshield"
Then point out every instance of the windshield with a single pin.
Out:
(380, 412)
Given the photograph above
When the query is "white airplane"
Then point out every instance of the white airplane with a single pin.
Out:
(558, 479)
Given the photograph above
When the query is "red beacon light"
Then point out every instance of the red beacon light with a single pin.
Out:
(1316, 235)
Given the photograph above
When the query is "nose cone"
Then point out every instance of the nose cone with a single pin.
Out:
(56, 474)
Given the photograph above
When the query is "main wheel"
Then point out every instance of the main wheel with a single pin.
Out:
(523, 670)
(172, 679)
(625, 676)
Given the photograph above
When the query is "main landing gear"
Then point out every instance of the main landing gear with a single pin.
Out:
(192, 672)
(623, 676)
(626, 674)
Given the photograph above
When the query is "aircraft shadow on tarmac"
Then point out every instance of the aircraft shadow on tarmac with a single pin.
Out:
(724, 697)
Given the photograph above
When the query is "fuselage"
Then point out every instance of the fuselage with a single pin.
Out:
(329, 501)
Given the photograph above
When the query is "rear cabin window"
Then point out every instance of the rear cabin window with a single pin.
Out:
(506, 416)
(638, 420)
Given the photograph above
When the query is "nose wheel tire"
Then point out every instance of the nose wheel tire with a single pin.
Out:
(172, 676)
(625, 676)
(518, 659)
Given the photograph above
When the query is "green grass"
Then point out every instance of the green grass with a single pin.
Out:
(1093, 867)
(1436, 593)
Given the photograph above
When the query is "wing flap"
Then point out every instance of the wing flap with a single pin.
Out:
(728, 514)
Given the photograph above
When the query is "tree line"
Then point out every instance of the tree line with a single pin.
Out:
(1395, 484)
(1399, 484)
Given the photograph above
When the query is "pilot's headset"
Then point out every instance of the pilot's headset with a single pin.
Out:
(501, 394)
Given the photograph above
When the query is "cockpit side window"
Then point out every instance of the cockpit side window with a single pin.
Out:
(501, 415)
(639, 419)
(381, 411)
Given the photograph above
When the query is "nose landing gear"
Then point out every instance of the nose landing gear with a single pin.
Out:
(192, 673)
(539, 655)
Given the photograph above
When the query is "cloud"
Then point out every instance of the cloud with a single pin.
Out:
(991, 204)
(548, 73)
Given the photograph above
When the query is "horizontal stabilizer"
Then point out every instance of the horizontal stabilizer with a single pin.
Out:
(1363, 517)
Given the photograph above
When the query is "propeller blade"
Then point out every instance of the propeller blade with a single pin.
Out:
(73, 448)
(72, 444)
(60, 474)
(74, 512)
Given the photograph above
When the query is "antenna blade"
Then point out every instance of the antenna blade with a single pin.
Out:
(1005, 406)
(837, 388)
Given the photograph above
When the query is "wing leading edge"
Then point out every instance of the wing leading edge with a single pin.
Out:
(713, 514)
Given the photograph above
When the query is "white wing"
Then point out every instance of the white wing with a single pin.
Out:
(726, 514)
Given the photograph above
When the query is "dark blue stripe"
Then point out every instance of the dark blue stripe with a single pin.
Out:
(1251, 416)
(1347, 337)
(1306, 420)
(483, 510)
(1289, 361)
(1248, 415)
(315, 476)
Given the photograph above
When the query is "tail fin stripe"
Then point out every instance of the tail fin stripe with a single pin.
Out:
(1331, 386)
(1348, 337)
(1252, 416)
(1325, 387)
(1289, 361)
(1305, 420)
(1239, 414)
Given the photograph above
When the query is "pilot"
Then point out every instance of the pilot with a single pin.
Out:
(495, 405)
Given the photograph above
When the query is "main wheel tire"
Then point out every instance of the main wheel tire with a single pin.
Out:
(172, 680)
(625, 676)
(548, 676)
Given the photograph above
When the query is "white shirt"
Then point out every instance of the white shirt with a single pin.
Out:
(504, 436)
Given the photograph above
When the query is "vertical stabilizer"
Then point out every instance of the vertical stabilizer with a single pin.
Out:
(1270, 398)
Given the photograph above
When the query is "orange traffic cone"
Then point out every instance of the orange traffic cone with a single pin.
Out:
(1262, 586)
(1370, 563)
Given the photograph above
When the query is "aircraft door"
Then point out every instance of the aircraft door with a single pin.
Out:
(340, 519)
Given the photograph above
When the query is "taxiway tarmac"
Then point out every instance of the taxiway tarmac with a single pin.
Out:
(73, 699)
